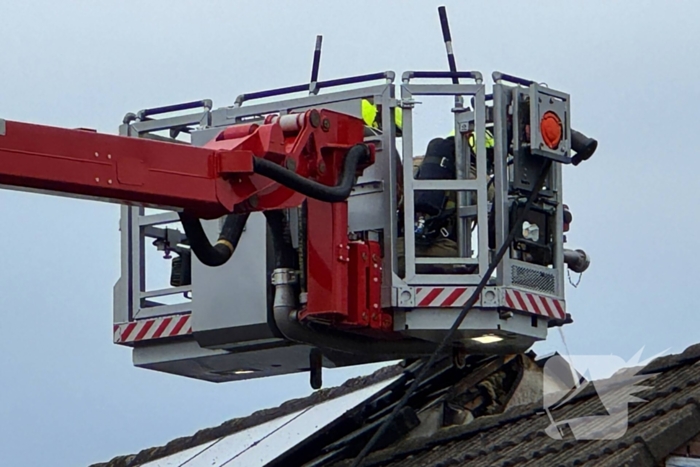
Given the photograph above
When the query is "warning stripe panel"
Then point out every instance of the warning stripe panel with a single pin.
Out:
(153, 328)
(535, 303)
(442, 296)
(514, 299)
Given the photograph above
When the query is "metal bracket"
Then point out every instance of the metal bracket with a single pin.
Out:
(405, 297)
(2, 127)
(367, 188)
(407, 103)
(284, 276)
(464, 127)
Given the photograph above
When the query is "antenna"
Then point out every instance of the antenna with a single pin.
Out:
(315, 66)
(447, 37)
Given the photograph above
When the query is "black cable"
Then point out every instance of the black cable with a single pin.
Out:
(463, 313)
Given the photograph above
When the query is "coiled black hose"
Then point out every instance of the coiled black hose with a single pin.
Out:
(219, 253)
(330, 194)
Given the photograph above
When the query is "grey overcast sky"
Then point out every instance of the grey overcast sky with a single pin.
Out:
(68, 396)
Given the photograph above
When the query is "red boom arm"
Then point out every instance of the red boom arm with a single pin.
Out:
(207, 182)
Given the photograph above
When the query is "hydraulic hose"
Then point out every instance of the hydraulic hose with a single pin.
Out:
(323, 337)
(285, 255)
(219, 253)
(577, 260)
(310, 188)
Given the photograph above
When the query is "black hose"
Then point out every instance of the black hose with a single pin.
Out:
(285, 254)
(330, 194)
(219, 253)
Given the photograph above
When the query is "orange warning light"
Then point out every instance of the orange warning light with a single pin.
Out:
(551, 129)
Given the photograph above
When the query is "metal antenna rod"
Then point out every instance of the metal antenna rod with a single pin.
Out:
(316, 65)
(447, 37)
(463, 199)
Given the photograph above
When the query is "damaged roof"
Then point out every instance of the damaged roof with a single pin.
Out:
(345, 434)
(668, 419)
(517, 437)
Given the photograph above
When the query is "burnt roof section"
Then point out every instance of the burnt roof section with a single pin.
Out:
(669, 418)
(344, 436)
(484, 384)
(257, 418)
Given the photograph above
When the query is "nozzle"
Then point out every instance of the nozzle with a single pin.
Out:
(583, 145)
(577, 260)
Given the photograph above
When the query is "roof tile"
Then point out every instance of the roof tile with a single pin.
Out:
(670, 431)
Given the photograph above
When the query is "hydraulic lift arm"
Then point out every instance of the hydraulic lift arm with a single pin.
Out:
(305, 151)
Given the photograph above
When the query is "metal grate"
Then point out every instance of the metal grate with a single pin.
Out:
(535, 280)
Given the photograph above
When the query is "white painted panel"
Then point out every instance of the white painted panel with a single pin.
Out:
(180, 458)
(260, 444)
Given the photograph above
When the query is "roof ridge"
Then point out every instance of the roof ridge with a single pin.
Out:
(689, 356)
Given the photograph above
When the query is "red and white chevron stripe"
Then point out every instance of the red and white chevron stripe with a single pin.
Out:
(442, 296)
(534, 303)
(153, 328)
(515, 299)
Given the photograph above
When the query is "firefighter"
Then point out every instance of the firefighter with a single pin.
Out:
(371, 114)
(435, 231)
(436, 216)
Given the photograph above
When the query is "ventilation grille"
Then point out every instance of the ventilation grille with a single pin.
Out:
(535, 280)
